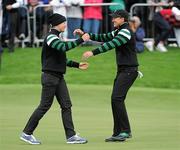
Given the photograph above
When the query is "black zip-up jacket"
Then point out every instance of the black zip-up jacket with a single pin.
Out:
(53, 56)
(123, 40)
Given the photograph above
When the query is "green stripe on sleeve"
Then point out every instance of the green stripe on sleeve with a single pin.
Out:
(101, 50)
(117, 42)
(111, 43)
(106, 46)
(69, 45)
(109, 35)
(59, 46)
(123, 39)
(96, 37)
(55, 43)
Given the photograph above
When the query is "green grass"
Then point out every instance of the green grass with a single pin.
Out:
(161, 70)
(154, 116)
(154, 111)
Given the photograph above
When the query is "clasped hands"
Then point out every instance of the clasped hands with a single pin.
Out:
(85, 37)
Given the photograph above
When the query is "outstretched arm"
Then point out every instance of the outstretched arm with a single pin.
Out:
(81, 65)
(71, 63)
(54, 42)
(97, 37)
(101, 37)
(122, 37)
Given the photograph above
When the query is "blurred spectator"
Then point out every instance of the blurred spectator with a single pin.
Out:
(141, 12)
(1, 21)
(172, 16)
(176, 13)
(59, 8)
(47, 11)
(162, 27)
(92, 17)
(139, 33)
(44, 1)
(12, 10)
(74, 16)
(22, 20)
(5, 27)
(31, 5)
(1, 18)
(177, 34)
(129, 4)
(40, 13)
(116, 7)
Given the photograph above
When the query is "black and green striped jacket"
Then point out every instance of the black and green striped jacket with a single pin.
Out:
(53, 57)
(123, 41)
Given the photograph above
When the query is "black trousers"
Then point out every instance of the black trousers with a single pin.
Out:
(123, 81)
(53, 86)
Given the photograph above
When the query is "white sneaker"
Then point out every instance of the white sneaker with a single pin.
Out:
(76, 139)
(29, 139)
(161, 48)
(149, 45)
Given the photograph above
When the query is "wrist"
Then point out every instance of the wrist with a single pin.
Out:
(79, 41)
(95, 52)
(76, 65)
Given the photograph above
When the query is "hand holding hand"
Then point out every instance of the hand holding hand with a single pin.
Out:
(83, 65)
(87, 54)
(78, 32)
(86, 37)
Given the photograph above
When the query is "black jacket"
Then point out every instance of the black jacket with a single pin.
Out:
(126, 53)
(53, 56)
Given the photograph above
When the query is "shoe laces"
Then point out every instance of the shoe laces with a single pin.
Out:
(33, 138)
(77, 136)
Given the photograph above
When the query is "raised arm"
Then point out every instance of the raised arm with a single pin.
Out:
(54, 42)
(101, 37)
(121, 38)
(97, 37)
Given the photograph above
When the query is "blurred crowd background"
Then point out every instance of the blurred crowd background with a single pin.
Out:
(23, 23)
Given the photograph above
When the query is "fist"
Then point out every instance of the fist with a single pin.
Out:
(78, 32)
(87, 54)
(83, 65)
(86, 37)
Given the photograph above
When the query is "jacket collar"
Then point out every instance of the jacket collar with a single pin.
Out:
(123, 25)
(54, 31)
